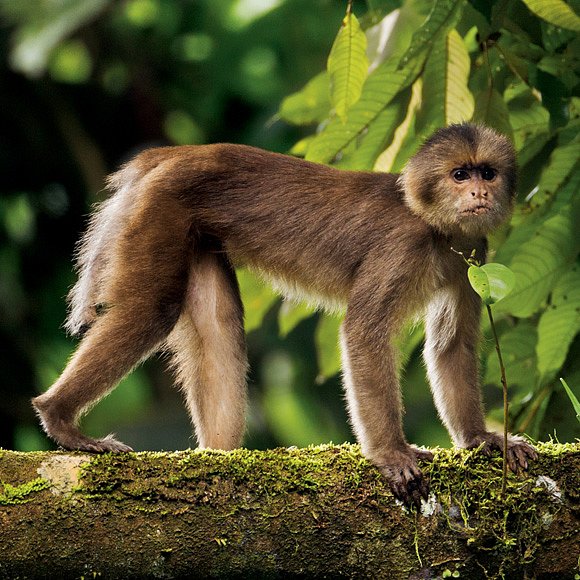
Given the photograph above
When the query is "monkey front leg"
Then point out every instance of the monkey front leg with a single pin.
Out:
(374, 404)
(451, 357)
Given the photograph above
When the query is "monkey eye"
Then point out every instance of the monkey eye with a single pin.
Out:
(461, 175)
(487, 173)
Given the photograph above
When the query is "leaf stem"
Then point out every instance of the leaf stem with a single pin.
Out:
(505, 401)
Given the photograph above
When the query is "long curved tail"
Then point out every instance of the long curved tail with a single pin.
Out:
(96, 248)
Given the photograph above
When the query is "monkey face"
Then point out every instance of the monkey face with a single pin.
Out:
(462, 180)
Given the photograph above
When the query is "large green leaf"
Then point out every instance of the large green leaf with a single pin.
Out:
(559, 324)
(556, 12)
(529, 119)
(347, 65)
(446, 96)
(386, 159)
(563, 162)
(540, 261)
(380, 134)
(309, 105)
(383, 85)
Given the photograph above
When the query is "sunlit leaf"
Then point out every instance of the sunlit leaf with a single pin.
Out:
(480, 283)
(556, 12)
(386, 159)
(327, 345)
(446, 97)
(379, 134)
(347, 65)
(559, 324)
(383, 84)
(258, 298)
(309, 105)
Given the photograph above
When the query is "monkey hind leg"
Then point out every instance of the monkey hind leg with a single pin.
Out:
(147, 287)
(209, 353)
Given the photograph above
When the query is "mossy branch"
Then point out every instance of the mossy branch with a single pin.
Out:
(321, 511)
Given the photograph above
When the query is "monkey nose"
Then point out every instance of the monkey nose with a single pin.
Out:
(479, 193)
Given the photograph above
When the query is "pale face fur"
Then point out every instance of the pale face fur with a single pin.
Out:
(470, 191)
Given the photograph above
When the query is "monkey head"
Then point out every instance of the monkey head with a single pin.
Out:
(462, 180)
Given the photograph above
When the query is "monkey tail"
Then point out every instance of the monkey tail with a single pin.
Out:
(96, 247)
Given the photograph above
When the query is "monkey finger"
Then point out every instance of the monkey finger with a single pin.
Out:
(512, 461)
(521, 456)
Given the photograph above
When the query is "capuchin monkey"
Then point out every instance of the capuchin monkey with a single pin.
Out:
(157, 273)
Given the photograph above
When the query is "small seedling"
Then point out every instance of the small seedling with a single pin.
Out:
(493, 282)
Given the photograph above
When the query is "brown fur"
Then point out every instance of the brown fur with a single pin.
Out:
(159, 256)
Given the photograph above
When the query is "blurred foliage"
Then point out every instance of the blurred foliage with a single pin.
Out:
(87, 83)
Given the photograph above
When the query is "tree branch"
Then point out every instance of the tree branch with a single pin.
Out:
(321, 511)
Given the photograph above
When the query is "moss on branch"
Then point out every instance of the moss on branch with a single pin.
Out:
(318, 512)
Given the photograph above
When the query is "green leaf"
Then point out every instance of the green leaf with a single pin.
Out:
(291, 314)
(446, 96)
(327, 347)
(491, 110)
(309, 105)
(555, 12)
(258, 298)
(501, 280)
(529, 119)
(381, 87)
(480, 283)
(573, 398)
(347, 65)
(559, 325)
(563, 162)
(492, 282)
(379, 135)
(386, 160)
(541, 260)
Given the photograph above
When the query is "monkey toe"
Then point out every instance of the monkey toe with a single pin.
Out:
(405, 479)
(519, 452)
(107, 444)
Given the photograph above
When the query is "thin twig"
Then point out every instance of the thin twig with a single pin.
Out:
(505, 401)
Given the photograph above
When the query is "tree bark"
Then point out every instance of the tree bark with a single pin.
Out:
(317, 512)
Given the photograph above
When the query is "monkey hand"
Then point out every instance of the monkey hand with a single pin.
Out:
(519, 451)
(403, 474)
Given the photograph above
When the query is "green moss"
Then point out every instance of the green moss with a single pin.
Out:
(19, 494)
(506, 528)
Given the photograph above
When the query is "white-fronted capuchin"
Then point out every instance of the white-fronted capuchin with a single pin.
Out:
(157, 272)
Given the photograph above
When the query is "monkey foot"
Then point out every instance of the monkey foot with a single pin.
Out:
(105, 445)
(519, 451)
(404, 476)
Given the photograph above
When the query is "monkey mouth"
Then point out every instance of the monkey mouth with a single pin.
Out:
(479, 209)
